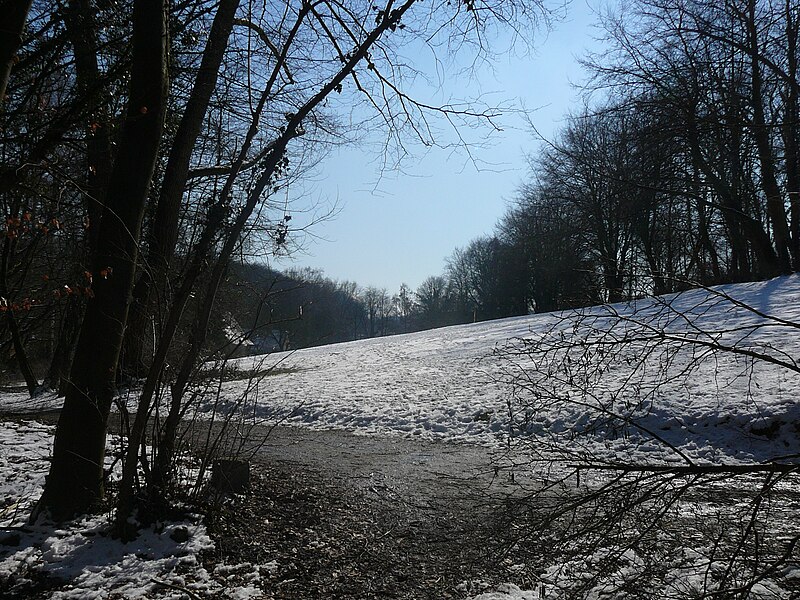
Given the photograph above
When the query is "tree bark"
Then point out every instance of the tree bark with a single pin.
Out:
(82, 32)
(163, 234)
(15, 13)
(64, 351)
(21, 354)
(75, 482)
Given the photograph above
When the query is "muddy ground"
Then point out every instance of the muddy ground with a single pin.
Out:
(330, 514)
(347, 516)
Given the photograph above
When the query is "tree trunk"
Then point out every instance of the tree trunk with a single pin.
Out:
(790, 129)
(75, 482)
(15, 13)
(21, 354)
(163, 234)
(82, 32)
(769, 180)
(64, 351)
(742, 228)
(706, 247)
(11, 320)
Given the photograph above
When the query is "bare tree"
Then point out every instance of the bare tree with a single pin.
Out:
(433, 300)
(164, 226)
(75, 482)
(15, 15)
(405, 307)
(376, 303)
(288, 69)
(705, 66)
(636, 498)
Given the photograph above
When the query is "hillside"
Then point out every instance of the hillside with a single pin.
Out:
(457, 382)
(468, 382)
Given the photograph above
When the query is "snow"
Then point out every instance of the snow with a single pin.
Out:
(81, 553)
(24, 450)
(476, 383)
(455, 383)
(508, 591)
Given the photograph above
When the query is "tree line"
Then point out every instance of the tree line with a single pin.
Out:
(682, 169)
(299, 308)
(686, 171)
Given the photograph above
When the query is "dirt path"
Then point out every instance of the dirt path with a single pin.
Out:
(331, 514)
(413, 468)
(346, 516)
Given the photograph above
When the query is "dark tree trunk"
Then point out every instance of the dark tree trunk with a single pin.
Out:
(14, 14)
(742, 228)
(82, 32)
(20, 353)
(11, 320)
(790, 129)
(64, 351)
(75, 482)
(769, 180)
(163, 233)
(706, 247)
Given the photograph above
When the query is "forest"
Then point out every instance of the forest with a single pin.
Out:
(681, 168)
(146, 148)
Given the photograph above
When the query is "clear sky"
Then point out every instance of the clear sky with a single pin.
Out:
(395, 228)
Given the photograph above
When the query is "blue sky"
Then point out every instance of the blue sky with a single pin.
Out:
(395, 228)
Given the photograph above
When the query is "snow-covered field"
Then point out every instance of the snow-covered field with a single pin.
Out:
(455, 383)
(643, 384)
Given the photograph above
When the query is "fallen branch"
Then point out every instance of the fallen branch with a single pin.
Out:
(693, 469)
(179, 588)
